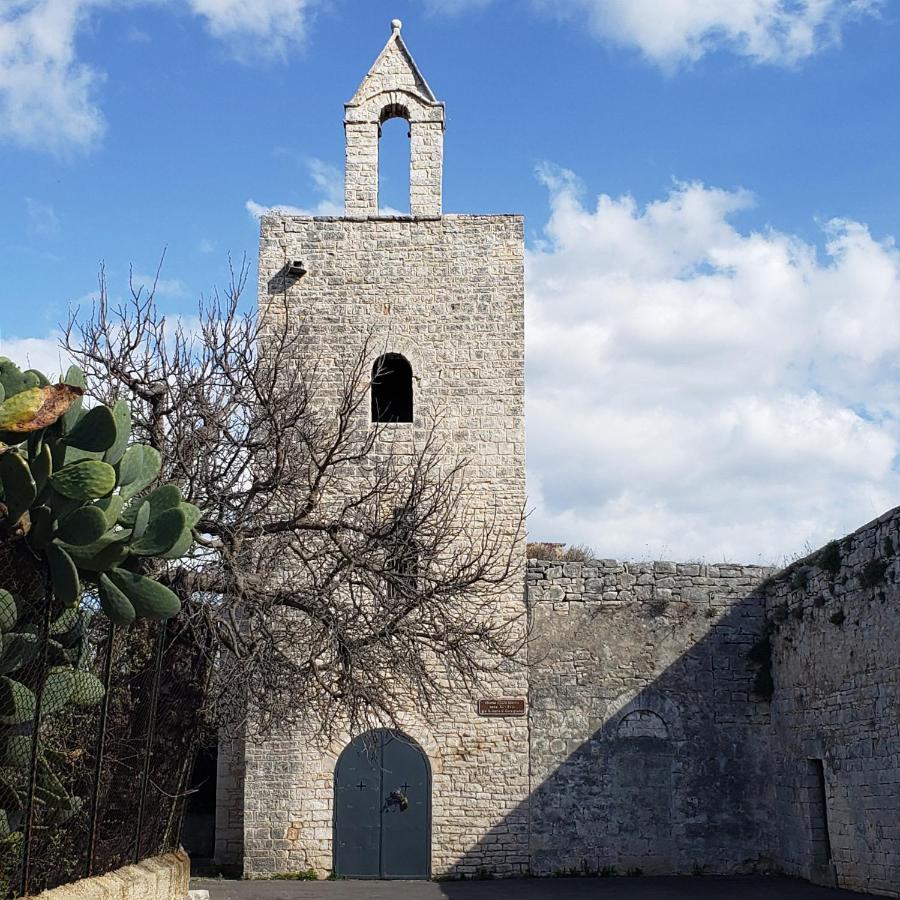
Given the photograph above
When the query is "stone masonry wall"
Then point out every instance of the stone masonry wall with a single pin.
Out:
(648, 750)
(836, 707)
(447, 293)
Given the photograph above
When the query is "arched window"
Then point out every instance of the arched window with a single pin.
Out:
(394, 160)
(392, 389)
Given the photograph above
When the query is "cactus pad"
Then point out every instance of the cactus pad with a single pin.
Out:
(36, 408)
(96, 431)
(63, 575)
(88, 479)
(115, 604)
(85, 525)
(148, 597)
(19, 489)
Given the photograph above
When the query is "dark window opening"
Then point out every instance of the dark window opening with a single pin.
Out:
(392, 389)
(819, 809)
(394, 111)
(198, 833)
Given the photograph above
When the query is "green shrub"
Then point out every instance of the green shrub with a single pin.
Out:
(800, 579)
(302, 875)
(873, 573)
(829, 558)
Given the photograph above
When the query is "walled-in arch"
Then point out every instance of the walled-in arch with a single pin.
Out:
(643, 723)
(646, 701)
(382, 808)
(392, 389)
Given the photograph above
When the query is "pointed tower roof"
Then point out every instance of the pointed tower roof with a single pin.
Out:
(394, 70)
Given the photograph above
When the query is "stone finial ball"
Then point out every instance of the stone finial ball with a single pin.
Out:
(396, 25)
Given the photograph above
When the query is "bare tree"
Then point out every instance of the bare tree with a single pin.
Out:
(334, 580)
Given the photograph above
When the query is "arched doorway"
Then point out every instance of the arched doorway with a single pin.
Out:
(382, 808)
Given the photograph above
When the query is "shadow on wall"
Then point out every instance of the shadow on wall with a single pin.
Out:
(676, 775)
(688, 767)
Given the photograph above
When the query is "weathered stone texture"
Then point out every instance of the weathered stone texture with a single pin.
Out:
(836, 668)
(647, 749)
(645, 746)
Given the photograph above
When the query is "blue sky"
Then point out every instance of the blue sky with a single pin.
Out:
(746, 151)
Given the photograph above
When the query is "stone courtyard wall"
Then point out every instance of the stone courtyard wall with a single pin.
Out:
(719, 718)
(648, 749)
(836, 707)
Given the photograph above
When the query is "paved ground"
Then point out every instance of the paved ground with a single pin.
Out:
(526, 889)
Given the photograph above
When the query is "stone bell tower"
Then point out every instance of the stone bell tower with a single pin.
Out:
(439, 298)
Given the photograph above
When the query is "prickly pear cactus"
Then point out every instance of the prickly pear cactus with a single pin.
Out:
(76, 516)
(72, 489)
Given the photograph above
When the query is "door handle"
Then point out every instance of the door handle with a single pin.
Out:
(397, 798)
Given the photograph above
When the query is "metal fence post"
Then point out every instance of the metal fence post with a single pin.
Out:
(151, 735)
(101, 744)
(35, 744)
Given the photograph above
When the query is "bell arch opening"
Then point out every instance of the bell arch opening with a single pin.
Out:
(394, 160)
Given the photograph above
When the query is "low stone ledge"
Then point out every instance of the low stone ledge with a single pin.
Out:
(160, 878)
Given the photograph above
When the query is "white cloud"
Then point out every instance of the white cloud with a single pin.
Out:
(47, 96)
(671, 32)
(43, 354)
(172, 288)
(329, 184)
(695, 390)
(261, 28)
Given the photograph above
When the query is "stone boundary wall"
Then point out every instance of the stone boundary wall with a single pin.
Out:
(649, 750)
(160, 878)
(835, 650)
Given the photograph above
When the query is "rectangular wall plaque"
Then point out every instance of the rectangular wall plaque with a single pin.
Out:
(505, 706)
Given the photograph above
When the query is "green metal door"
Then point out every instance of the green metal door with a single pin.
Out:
(382, 809)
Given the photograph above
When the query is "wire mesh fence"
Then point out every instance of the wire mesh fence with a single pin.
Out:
(97, 734)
